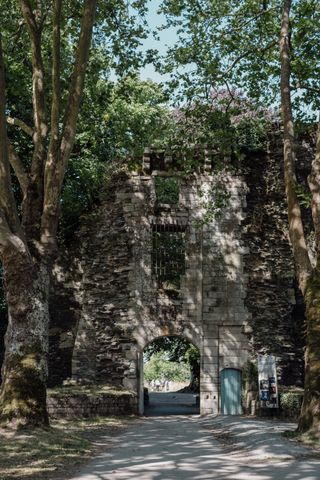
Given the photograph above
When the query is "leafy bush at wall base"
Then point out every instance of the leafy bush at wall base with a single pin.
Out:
(290, 403)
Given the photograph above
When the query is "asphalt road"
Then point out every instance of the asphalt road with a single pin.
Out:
(208, 448)
(171, 403)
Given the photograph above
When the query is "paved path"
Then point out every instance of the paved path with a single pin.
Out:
(210, 448)
(171, 403)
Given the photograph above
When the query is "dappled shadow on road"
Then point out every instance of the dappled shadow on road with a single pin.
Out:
(260, 438)
(184, 448)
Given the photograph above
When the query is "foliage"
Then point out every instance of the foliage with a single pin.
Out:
(118, 120)
(214, 202)
(175, 347)
(118, 33)
(226, 122)
(290, 403)
(180, 350)
(250, 376)
(137, 116)
(160, 367)
(167, 190)
(234, 45)
(82, 185)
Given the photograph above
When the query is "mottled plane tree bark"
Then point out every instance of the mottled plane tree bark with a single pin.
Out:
(308, 275)
(28, 242)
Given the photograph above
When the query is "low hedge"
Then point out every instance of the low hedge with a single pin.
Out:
(290, 403)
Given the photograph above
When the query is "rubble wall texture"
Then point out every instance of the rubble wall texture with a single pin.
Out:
(238, 295)
(274, 303)
(84, 405)
(123, 308)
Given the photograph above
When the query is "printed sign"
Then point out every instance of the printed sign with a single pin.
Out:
(268, 389)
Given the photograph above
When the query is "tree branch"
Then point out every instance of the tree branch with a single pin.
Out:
(38, 97)
(251, 19)
(306, 87)
(9, 215)
(18, 168)
(77, 80)
(33, 206)
(55, 106)
(29, 15)
(56, 165)
(20, 123)
(258, 51)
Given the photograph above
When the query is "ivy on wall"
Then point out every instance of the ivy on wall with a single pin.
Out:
(167, 190)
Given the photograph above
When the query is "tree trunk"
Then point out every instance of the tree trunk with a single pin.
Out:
(195, 376)
(308, 277)
(23, 391)
(310, 413)
(296, 230)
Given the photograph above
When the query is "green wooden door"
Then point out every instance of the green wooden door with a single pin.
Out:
(230, 381)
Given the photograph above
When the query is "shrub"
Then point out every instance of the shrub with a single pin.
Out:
(290, 403)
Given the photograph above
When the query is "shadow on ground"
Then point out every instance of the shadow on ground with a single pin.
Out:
(187, 448)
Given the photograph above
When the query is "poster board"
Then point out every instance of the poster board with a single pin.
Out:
(268, 387)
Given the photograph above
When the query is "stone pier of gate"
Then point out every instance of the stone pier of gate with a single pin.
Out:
(125, 306)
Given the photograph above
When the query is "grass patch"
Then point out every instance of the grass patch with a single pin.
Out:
(310, 439)
(53, 452)
(90, 390)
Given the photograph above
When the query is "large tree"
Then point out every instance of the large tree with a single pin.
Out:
(235, 45)
(55, 39)
(28, 244)
(308, 272)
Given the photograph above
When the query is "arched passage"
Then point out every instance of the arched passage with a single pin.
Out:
(170, 377)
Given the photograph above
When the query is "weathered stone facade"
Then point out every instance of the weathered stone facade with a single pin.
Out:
(237, 296)
(65, 313)
(274, 303)
(123, 309)
(62, 405)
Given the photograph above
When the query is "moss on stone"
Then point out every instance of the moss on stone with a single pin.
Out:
(23, 394)
(89, 390)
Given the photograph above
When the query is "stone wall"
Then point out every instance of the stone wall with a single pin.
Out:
(274, 303)
(123, 308)
(238, 295)
(88, 405)
(65, 312)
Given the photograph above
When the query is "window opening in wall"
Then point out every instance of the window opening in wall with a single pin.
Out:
(168, 255)
(167, 190)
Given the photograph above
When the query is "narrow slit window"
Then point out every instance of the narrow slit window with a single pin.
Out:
(168, 255)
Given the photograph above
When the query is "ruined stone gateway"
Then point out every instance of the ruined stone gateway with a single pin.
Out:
(151, 261)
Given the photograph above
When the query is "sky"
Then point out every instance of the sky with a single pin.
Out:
(167, 39)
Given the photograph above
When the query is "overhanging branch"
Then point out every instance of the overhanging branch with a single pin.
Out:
(18, 168)
(20, 123)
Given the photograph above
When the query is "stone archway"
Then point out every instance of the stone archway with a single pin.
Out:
(181, 368)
